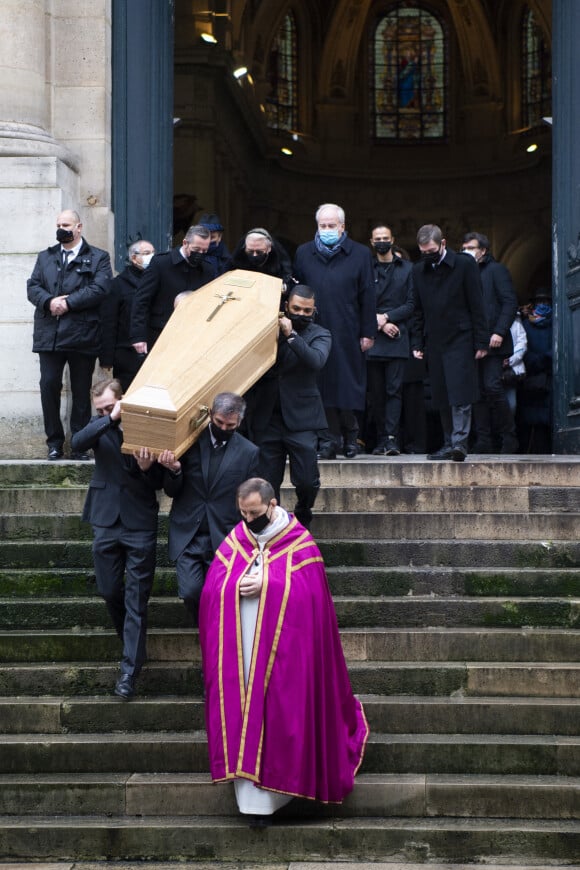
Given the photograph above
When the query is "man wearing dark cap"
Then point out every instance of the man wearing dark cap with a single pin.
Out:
(217, 254)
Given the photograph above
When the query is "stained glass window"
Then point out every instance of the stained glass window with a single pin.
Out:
(282, 98)
(537, 73)
(409, 75)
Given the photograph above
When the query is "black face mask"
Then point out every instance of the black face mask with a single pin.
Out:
(258, 524)
(223, 435)
(257, 260)
(64, 236)
(431, 257)
(383, 247)
(300, 321)
(195, 258)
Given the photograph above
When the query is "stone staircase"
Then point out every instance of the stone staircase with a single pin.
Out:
(457, 588)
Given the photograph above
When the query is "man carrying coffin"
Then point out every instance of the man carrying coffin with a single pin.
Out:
(281, 718)
(203, 486)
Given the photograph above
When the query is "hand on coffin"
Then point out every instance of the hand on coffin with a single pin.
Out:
(285, 326)
(140, 347)
(144, 457)
(116, 412)
(168, 460)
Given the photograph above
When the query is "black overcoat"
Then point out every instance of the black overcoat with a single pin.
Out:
(85, 282)
(167, 276)
(116, 314)
(451, 316)
(395, 297)
(345, 302)
(501, 303)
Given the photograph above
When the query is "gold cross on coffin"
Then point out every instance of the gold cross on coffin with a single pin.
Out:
(226, 297)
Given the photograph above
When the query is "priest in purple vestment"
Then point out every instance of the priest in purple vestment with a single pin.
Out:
(281, 717)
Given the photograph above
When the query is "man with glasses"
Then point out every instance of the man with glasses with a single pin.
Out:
(177, 271)
(117, 351)
(492, 413)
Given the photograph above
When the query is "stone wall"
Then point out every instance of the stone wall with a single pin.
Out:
(55, 107)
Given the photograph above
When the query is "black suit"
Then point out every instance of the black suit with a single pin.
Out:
(204, 508)
(289, 412)
(122, 507)
(166, 277)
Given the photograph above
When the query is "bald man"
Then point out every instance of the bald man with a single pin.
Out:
(68, 284)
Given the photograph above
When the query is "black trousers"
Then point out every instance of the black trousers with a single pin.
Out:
(342, 428)
(385, 386)
(191, 568)
(120, 553)
(81, 367)
(277, 443)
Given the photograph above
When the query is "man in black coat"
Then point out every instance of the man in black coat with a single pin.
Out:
(203, 486)
(177, 271)
(122, 508)
(289, 409)
(67, 286)
(449, 299)
(492, 412)
(117, 351)
(258, 251)
(387, 358)
(340, 273)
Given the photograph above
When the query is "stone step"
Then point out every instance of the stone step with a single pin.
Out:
(398, 714)
(371, 644)
(59, 500)
(195, 838)
(492, 470)
(278, 865)
(379, 795)
(354, 612)
(54, 555)
(186, 752)
(406, 580)
(538, 679)
(363, 526)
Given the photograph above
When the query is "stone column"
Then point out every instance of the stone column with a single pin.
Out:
(54, 154)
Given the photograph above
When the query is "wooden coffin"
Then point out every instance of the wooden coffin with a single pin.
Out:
(222, 337)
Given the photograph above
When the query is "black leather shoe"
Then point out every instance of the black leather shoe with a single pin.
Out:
(350, 451)
(458, 454)
(327, 452)
(125, 687)
(391, 447)
(83, 457)
(257, 822)
(442, 453)
(54, 453)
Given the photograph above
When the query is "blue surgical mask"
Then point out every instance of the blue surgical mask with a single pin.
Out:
(328, 237)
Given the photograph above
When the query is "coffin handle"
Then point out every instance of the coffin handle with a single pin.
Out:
(202, 415)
